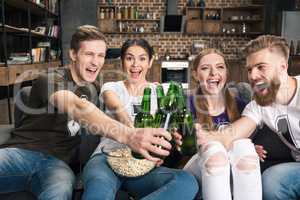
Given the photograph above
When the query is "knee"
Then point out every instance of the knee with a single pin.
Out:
(93, 168)
(65, 183)
(61, 177)
(245, 158)
(247, 163)
(62, 189)
(270, 178)
(65, 188)
(215, 159)
(274, 185)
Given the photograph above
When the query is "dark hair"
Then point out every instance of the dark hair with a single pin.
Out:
(137, 42)
(85, 33)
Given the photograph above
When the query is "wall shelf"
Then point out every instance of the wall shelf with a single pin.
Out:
(139, 20)
(248, 20)
(30, 33)
(36, 9)
(133, 33)
(12, 74)
(23, 31)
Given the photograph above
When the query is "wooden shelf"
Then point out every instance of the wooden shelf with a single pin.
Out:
(205, 8)
(101, 5)
(18, 73)
(137, 20)
(106, 6)
(248, 7)
(250, 34)
(25, 31)
(295, 56)
(229, 18)
(132, 33)
(243, 21)
(37, 9)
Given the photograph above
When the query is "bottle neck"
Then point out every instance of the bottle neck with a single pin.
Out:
(181, 102)
(146, 106)
(161, 103)
(146, 101)
(160, 97)
(171, 97)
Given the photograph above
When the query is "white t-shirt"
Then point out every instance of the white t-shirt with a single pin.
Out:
(282, 119)
(130, 103)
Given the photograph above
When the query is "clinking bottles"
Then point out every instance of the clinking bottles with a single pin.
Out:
(171, 114)
(179, 118)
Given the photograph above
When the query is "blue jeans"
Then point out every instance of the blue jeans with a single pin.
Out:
(100, 182)
(44, 175)
(282, 182)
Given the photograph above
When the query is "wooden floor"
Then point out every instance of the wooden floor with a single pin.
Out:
(4, 119)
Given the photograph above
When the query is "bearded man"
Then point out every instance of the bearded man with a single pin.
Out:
(276, 103)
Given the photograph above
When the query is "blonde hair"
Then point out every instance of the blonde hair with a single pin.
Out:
(272, 42)
(201, 104)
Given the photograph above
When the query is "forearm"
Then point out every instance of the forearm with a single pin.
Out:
(124, 119)
(242, 128)
(89, 116)
(99, 123)
(115, 106)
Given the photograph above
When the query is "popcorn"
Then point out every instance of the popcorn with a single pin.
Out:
(123, 163)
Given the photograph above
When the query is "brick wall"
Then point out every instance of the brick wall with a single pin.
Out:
(179, 45)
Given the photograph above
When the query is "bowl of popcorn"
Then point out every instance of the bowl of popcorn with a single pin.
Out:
(123, 163)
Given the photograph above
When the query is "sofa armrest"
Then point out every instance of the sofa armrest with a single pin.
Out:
(5, 131)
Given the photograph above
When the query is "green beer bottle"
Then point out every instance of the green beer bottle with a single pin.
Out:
(144, 119)
(186, 125)
(171, 106)
(161, 114)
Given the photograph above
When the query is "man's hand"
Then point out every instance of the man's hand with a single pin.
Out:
(149, 140)
(262, 153)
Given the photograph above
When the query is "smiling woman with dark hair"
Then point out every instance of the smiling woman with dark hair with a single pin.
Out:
(120, 98)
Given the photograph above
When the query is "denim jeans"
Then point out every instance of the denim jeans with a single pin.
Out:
(100, 182)
(44, 175)
(282, 182)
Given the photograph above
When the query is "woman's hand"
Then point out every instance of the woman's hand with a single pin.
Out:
(262, 153)
(204, 136)
(178, 139)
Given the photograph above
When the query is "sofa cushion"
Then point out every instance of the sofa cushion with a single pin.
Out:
(5, 132)
(278, 152)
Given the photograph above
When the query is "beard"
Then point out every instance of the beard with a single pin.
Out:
(272, 88)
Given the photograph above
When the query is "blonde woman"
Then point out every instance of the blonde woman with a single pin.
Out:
(215, 107)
